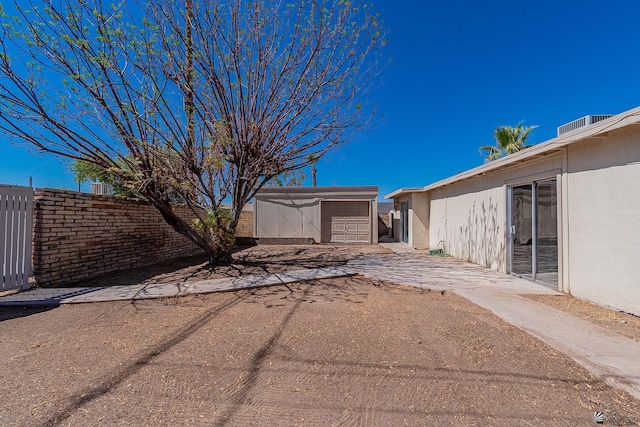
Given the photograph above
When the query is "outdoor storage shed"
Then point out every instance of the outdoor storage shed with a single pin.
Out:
(316, 215)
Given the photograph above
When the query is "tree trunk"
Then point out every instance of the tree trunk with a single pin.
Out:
(214, 242)
(219, 255)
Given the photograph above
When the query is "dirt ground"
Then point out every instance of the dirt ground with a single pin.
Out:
(346, 351)
(621, 323)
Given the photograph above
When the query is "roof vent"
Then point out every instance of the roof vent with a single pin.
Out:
(101, 188)
(582, 122)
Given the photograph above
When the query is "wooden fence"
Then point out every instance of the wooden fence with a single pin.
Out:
(16, 229)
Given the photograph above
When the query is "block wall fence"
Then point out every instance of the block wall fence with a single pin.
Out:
(78, 236)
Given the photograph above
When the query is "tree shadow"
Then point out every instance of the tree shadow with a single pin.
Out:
(351, 289)
(481, 240)
(255, 367)
(248, 260)
(299, 293)
(16, 312)
(92, 393)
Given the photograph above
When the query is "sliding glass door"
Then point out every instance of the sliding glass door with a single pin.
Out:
(547, 232)
(533, 225)
(521, 231)
(404, 221)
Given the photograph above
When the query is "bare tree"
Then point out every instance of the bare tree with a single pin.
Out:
(203, 99)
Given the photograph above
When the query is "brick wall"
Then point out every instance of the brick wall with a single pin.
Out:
(245, 225)
(78, 235)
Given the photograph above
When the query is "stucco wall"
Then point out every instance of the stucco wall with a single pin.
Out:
(438, 218)
(471, 215)
(598, 216)
(603, 197)
(476, 222)
(418, 216)
(419, 219)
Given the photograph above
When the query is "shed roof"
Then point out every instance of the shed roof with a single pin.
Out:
(596, 130)
(362, 191)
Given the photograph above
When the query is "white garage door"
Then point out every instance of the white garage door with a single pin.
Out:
(345, 222)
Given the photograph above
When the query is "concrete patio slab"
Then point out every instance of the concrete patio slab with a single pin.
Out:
(441, 273)
(57, 296)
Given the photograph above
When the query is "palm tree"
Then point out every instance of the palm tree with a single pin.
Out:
(509, 140)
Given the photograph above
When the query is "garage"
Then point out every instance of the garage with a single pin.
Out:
(345, 222)
(307, 215)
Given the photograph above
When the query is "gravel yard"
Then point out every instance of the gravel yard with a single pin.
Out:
(346, 351)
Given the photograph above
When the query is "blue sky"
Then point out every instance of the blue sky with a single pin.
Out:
(458, 70)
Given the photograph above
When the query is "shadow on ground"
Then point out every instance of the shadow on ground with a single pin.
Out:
(343, 351)
(8, 313)
(247, 261)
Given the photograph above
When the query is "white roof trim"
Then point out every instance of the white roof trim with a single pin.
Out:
(597, 129)
(404, 191)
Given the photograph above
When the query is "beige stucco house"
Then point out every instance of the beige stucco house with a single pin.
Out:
(316, 215)
(565, 213)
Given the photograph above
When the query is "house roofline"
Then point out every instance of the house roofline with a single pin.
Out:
(401, 191)
(557, 144)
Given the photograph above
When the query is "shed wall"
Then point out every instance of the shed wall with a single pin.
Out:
(296, 213)
(288, 218)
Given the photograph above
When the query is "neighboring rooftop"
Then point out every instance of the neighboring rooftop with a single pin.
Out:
(385, 207)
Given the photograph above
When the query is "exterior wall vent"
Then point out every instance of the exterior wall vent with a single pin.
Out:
(582, 122)
(101, 188)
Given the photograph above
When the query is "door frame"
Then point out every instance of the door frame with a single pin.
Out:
(404, 221)
(533, 180)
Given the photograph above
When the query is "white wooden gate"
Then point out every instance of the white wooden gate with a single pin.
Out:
(16, 227)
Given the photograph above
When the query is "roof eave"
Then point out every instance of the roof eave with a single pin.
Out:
(552, 146)
(402, 191)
